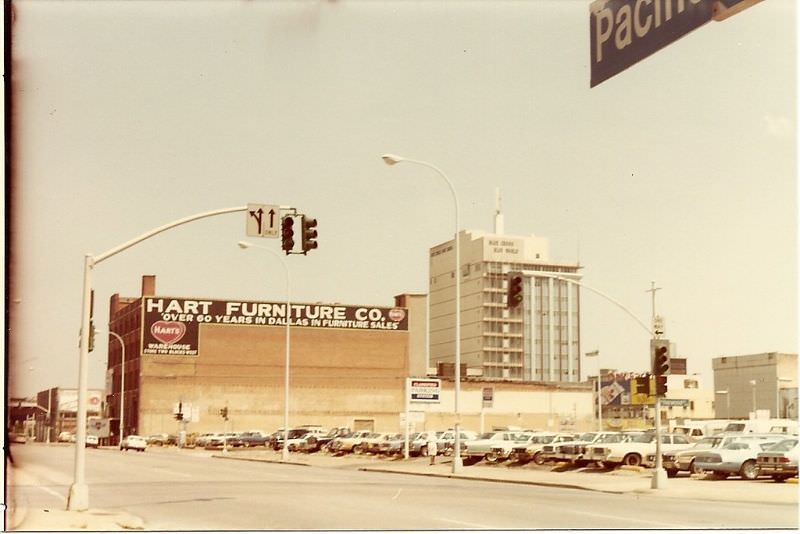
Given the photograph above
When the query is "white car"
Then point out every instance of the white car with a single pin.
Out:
(737, 458)
(780, 460)
(134, 442)
(532, 449)
(92, 441)
(635, 451)
(486, 444)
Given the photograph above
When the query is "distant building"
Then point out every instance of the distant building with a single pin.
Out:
(766, 381)
(537, 341)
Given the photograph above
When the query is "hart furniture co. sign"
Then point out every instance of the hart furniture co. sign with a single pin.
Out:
(170, 325)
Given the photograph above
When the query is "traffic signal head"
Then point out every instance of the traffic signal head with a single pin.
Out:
(309, 233)
(659, 351)
(224, 412)
(179, 416)
(514, 297)
(661, 385)
(643, 384)
(287, 234)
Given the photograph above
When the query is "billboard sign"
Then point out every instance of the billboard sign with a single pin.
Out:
(170, 326)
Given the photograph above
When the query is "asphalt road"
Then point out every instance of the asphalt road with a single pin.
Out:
(171, 490)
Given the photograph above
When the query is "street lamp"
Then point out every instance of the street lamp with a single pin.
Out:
(285, 451)
(391, 159)
(727, 394)
(121, 387)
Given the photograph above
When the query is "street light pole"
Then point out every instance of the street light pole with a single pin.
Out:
(78, 497)
(753, 383)
(596, 354)
(285, 450)
(391, 159)
(121, 388)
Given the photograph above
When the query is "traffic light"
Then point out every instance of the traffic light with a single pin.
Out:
(643, 384)
(91, 335)
(514, 297)
(659, 350)
(287, 234)
(179, 416)
(224, 412)
(661, 385)
(309, 233)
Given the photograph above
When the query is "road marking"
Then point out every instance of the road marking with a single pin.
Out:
(52, 492)
(627, 518)
(466, 524)
(396, 495)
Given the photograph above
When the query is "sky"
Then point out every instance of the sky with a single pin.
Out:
(681, 169)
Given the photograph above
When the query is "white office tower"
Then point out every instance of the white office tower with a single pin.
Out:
(539, 340)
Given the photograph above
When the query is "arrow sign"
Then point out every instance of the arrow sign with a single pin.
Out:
(259, 226)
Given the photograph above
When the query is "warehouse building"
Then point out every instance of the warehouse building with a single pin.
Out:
(349, 366)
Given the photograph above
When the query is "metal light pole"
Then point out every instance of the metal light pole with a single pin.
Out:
(78, 498)
(727, 394)
(753, 383)
(285, 451)
(121, 388)
(391, 159)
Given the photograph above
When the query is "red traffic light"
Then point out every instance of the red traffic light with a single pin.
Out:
(514, 297)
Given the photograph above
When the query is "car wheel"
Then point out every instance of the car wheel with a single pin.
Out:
(632, 459)
(695, 470)
(749, 470)
(538, 458)
(491, 458)
(423, 451)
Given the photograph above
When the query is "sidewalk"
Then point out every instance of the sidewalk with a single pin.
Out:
(624, 480)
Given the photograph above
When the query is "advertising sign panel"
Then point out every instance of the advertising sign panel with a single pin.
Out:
(170, 326)
(425, 389)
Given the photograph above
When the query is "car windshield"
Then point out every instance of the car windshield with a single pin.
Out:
(610, 438)
(486, 435)
(645, 438)
(588, 436)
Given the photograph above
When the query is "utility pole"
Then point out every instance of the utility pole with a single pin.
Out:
(659, 474)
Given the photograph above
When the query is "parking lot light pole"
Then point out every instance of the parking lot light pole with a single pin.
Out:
(391, 159)
(596, 354)
(285, 450)
(121, 387)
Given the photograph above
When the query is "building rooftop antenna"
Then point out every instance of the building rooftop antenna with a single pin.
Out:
(498, 213)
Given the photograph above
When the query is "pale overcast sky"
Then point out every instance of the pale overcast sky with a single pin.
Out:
(129, 115)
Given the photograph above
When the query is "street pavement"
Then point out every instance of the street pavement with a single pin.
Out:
(627, 480)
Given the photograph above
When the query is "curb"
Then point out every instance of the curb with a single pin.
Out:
(498, 480)
(262, 460)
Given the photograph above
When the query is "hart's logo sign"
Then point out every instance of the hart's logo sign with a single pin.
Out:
(168, 332)
(396, 314)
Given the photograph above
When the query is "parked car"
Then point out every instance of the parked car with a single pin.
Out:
(573, 451)
(780, 460)
(162, 439)
(315, 442)
(447, 439)
(66, 437)
(683, 460)
(736, 458)
(252, 439)
(346, 443)
(532, 449)
(634, 451)
(371, 443)
(203, 439)
(92, 441)
(474, 450)
(501, 452)
(300, 435)
(392, 444)
(218, 441)
(134, 442)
